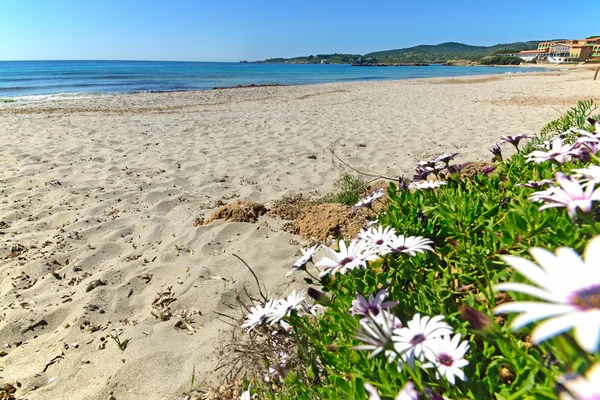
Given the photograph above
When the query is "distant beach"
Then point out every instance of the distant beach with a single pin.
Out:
(52, 80)
(104, 199)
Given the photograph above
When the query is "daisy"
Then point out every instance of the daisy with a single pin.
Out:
(514, 140)
(284, 307)
(413, 341)
(559, 152)
(376, 334)
(307, 255)
(378, 239)
(348, 258)
(426, 185)
(259, 314)
(582, 388)
(448, 358)
(374, 305)
(569, 288)
(422, 172)
(496, 150)
(536, 184)
(591, 172)
(408, 392)
(367, 201)
(570, 194)
(410, 244)
(444, 158)
(246, 395)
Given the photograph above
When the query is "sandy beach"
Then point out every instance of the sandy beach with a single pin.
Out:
(101, 198)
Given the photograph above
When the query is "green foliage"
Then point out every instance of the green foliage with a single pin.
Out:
(501, 60)
(575, 117)
(349, 190)
(473, 223)
(418, 54)
(7, 101)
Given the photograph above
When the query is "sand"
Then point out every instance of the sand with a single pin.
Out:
(101, 199)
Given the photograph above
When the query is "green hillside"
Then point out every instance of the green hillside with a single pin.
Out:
(417, 54)
(448, 51)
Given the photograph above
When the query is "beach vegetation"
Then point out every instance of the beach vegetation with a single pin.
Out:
(500, 60)
(485, 287)
(348, 190)
(7, 101)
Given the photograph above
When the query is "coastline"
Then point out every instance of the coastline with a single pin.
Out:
(108, 188)
(285, 77)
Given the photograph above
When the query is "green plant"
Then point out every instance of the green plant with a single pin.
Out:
(575, 117)
(349, 190)
(7, 101)
(116, 336)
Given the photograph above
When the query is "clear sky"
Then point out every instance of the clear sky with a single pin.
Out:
(232, 30)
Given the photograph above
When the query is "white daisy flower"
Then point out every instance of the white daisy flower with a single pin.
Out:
(591, 172)
(569, 288)
(423, 185)
(413, 341)
(258, 314)
(448, 358)
(410, 244)
(536, 184)
(570, 194)
(582, 388)
(376, 334)
(374, 305)
(408, 392)
(444, 158)
(284, 307)
(307, 255)
(378, 239)
(348, 258)
(367, 201)
(559, 152)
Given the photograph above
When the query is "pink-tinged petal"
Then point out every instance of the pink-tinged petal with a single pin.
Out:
(553, 327)
(373, 395)
(587, 330)
(571, 187)
(532, 312)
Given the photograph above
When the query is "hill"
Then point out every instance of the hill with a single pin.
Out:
(447, 51)
(423, 53)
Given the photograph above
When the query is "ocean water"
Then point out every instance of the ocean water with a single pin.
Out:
(48, 80)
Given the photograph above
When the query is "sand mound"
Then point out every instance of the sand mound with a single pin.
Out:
(238, 211)
(329, 221)
(472, 169)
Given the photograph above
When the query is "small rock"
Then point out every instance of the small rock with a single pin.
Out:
(94, 284)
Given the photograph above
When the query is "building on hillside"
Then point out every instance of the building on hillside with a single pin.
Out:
(558, 51)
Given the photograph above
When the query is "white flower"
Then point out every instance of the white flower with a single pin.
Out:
(410, 244)
(258, 314)
(376, 332)
(582, 388)
(569, 288)
(366, 201)
(375, 304)
(559, 152)
(536, 184)
(444, 158)
(408, 392)
(348, 258)
(284, 307)
(378, 239)
(448, 357)
(570, 194)
(426, 185)
(246, 395)
(307, 255)
(591, 172)
(413, 341)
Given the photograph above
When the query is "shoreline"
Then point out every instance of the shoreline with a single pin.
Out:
(102, 198)
(53, 97)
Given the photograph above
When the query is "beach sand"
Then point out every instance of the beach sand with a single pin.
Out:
(100, 198)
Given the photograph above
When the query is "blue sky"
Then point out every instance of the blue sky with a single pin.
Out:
(232, 30)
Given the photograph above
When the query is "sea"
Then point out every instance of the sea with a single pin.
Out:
(26, 81)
